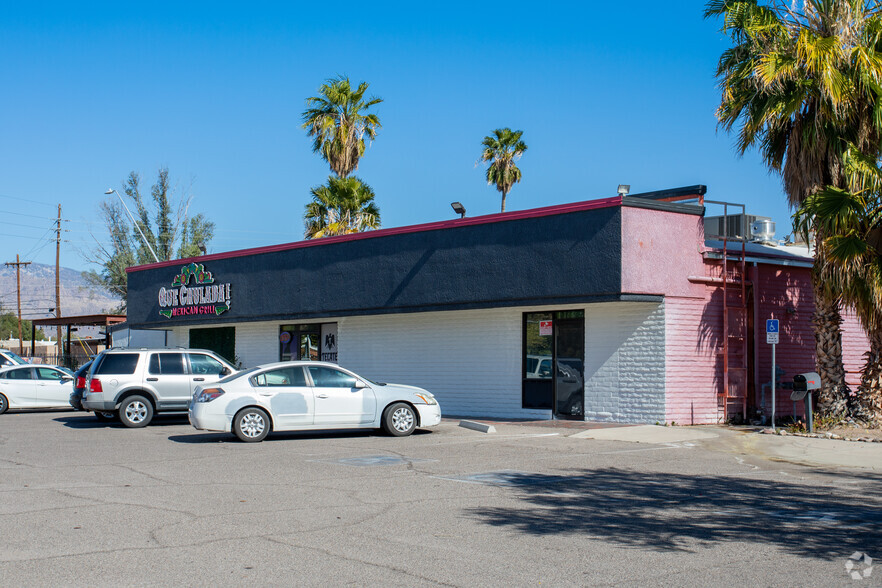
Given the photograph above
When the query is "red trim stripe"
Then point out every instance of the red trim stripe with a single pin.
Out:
(439, 225)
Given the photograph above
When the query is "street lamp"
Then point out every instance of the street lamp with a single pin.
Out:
(134, 222)
(458, 209)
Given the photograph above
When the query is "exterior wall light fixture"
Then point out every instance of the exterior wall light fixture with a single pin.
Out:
(458, 209)
(624, 189)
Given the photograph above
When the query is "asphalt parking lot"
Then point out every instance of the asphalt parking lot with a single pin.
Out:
(84, 503)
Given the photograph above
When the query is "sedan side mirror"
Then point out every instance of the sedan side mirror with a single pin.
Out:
(226, 371)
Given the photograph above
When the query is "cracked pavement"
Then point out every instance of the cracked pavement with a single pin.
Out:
(84, 503)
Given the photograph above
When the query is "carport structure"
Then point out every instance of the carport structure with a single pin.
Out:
(88, 320)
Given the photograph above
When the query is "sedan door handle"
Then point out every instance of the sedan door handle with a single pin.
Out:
(198, 379)
(321, 396)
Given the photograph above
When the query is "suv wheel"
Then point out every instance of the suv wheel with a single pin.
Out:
(135, 412)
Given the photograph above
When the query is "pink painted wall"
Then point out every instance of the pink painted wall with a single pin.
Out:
(693, 369)
(694, 336)
(660, 250)
(784, 293)
(854, 345)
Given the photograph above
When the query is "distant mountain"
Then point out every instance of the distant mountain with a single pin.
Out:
(78, 297)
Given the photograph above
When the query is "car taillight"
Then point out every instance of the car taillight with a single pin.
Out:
(81, 382)
(209, 394)
(95, 386)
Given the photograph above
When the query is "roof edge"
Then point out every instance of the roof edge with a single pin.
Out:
(433, 226)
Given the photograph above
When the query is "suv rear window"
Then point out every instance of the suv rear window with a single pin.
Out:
(118, 363)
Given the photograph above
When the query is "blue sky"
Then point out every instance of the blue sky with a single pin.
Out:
(606, 93)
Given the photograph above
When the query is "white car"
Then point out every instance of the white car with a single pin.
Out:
(308, 395)
(34, 386)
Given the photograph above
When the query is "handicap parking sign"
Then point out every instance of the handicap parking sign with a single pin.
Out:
(772, 331)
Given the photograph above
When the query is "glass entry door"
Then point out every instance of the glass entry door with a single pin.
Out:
(569, 381)
(554, 353)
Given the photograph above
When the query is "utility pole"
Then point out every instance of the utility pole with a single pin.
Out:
(58, 283)
(18, 265)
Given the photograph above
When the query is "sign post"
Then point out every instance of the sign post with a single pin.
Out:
(772, 339)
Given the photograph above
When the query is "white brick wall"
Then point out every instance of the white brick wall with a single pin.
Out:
(625, 362)
(472, 359)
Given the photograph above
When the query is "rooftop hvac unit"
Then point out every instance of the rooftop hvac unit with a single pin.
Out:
(737, 226)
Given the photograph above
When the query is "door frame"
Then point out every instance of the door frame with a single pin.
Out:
(524, 380)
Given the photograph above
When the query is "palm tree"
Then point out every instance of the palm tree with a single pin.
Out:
(338, 121)
(343, 206)
(501, 149)
(851, 264)
(801, 86)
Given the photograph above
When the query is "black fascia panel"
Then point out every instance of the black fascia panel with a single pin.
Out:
(574, 256)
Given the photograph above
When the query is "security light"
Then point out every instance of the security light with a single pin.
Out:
(458, 209)
(202, 248)
(624, 189)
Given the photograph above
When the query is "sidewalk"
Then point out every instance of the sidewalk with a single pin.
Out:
(827, 453)
(799, 450)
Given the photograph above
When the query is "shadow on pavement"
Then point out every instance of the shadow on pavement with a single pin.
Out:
(674, 512)
(289, 435)
(88, 421)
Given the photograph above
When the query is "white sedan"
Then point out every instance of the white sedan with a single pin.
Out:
(34, 386)
(308, 395)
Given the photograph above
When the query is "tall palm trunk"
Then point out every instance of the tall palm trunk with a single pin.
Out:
(834, 394)
(866, 404)
(504, 192)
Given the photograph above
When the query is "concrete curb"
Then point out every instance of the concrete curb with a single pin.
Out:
(476, 426)
(785, 433)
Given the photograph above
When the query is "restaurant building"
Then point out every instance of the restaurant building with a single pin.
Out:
(617, 309)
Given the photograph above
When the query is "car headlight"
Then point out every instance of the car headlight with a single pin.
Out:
(427, 398)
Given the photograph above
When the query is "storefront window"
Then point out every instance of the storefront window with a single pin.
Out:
(299, 342)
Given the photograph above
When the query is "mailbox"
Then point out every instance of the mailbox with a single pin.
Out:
(803, 384)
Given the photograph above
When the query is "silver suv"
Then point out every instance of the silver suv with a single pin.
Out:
(134, 384)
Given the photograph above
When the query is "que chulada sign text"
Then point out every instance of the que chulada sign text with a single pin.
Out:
(202, 297)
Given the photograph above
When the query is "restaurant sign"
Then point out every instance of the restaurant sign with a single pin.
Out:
(202, 297)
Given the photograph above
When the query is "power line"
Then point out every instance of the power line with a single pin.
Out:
(29, 215)
(23, 237)
(20, 225)
(25, 199)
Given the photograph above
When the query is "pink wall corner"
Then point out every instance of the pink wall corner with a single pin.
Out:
(660, 250)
